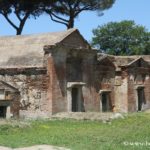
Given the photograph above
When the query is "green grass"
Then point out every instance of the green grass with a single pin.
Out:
(81, 135)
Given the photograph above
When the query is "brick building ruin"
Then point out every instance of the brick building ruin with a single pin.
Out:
(44, 74)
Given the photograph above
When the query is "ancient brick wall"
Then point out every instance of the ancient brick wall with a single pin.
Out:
(121, 97)
(75, 40)
(137, 78)
(132, 93)
(88, 76)
(32, 89)
(147, 88)
(57, 85)
(71, 66)
(105, 82)
(120, 89)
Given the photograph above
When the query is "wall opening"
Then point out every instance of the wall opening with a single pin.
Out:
(105, 101)
(77, 101)
(3, 110)
(2, 94)
(141, 98)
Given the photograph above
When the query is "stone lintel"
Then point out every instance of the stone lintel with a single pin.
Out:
(72, 84)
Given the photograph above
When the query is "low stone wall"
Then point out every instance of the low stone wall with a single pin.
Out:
(88, 116)
(24, 114)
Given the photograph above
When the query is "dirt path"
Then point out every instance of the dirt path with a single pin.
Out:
(36, 147)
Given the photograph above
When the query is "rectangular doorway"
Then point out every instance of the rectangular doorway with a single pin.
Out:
(140, 93)
(3, 111)
(105, 101)
(77, 102)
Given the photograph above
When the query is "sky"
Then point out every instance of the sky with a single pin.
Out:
(137, 10)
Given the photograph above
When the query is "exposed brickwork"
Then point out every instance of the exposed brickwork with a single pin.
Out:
(137, 77)
(31, 85)
(104, 80)
(64, 74)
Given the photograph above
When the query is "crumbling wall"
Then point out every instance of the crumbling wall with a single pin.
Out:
(81, 68)
(32, 87)
(104, 81)
(147, 89)
(89, 89)
(75, 66)
(57, 85)
(121, 90)
(137, 78)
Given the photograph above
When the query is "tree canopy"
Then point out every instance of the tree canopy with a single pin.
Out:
(60, 11)
(21, 10)
(65, 11)
(122, 38)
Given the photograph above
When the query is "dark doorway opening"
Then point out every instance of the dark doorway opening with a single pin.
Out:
(3, 111)
(106, 105)
(141, 98)
(74, 99)
(77, 101)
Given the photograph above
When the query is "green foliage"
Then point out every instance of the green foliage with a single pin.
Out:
(80, 135)
(122, 38)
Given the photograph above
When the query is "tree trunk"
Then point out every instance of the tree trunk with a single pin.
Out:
(70, 22)
(21, 25)
(20, 28)
(19, 31)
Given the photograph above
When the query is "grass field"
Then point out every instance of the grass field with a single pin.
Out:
(133, 133)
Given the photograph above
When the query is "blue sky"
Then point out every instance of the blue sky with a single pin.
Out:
(137, 10)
